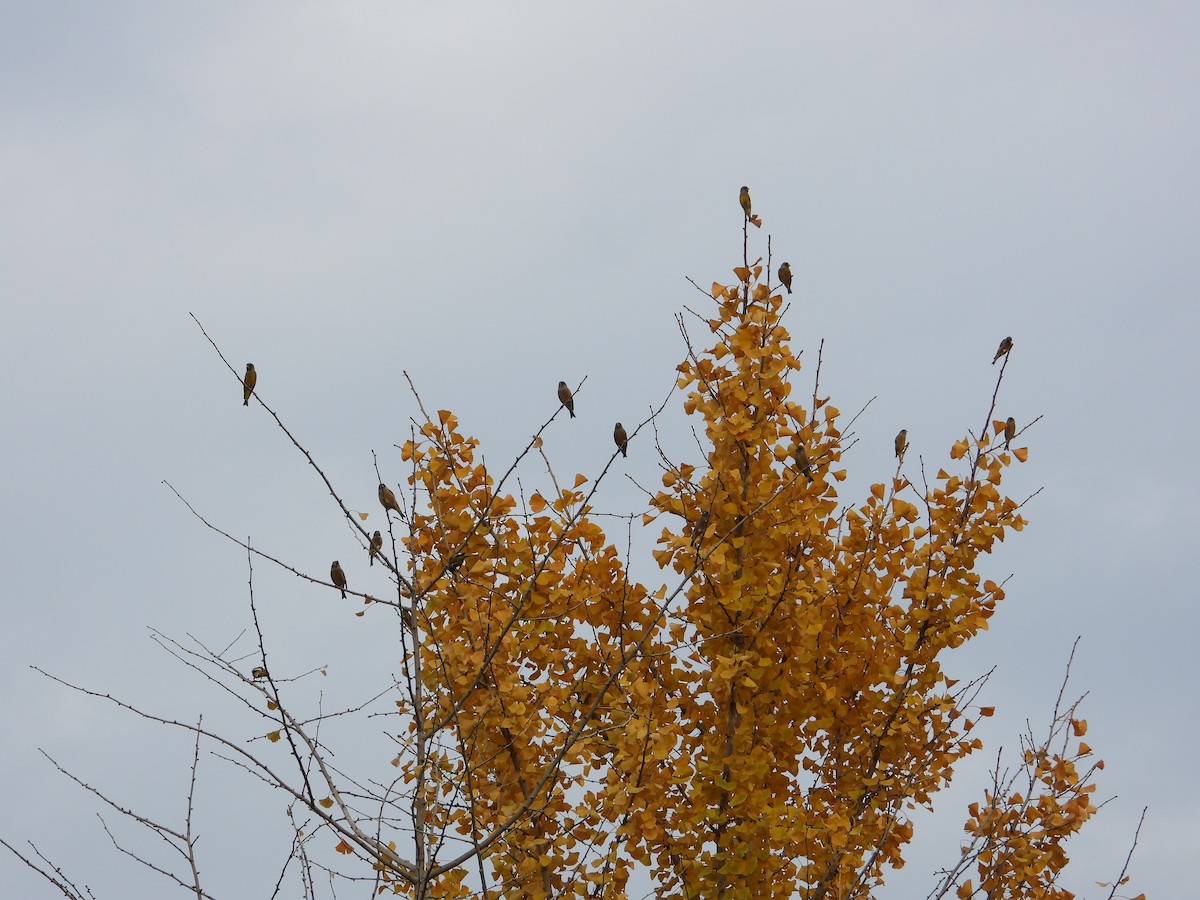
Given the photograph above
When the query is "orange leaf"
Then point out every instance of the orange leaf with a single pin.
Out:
(986, 711)
(327, 802)
(537, 503)
(343, 847)
(742, 273)
(1021, 453)
(273, 737)
(1079, 726)
(579, 479)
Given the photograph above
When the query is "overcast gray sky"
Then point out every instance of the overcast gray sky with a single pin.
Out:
(496, 196)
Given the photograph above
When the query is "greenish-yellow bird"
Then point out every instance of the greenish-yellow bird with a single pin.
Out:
(338, 577)
(248, 382)
(785, 275)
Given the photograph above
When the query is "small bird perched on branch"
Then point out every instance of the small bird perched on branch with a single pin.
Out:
(248, 382)
(1010, 431)
(565, 398)
(699, 528)
(376, 546)
(387, 498)
(621, 438)
(785, 275)
(744, 199)
(802, 462)
(901, 443)
(338, 577)
(1002, 350)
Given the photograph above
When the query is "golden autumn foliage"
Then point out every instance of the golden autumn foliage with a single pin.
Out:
(759, 723)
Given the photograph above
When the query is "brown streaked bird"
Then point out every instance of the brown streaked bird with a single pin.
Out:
(248, 383)
(802, 462)
(901, 443)
(699, 528)
(456, 561)
(338, 577)
(406, 617)
(258, 672)
(785, 275)
(1002, 350)
(744, 199)
(1010, 431)
(621, 438)
(376, 546)
(387, 498)
(565, 398)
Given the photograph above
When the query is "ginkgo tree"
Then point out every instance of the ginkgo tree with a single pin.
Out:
(760, 718)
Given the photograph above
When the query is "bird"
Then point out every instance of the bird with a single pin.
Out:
(565, 398)
(1010, 431)
(248, 383)
(455, 561)
(785, 275)
(258, 672)
(387, 498)
(699, 528)
(744, 199)
(901, 443)
(621, 438)
(802, 462)
(376, 545)
(338, 577)
(1002, 350)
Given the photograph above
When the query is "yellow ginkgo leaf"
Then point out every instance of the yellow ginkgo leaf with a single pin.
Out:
(273, 737)
(326, 802)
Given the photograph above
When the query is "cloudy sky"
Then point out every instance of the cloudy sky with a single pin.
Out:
(492, 197)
